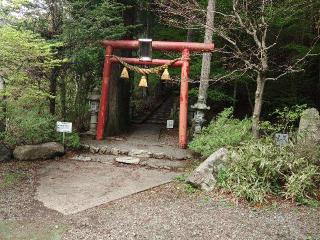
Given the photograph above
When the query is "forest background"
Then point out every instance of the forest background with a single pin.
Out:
(51, 59)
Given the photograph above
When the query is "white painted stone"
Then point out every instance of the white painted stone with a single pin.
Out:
(81, 158)
(128, 160)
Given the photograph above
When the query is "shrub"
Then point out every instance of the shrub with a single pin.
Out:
(259, 168)
(225, 131)
(285, 120)
(28, 127)
(72, 140)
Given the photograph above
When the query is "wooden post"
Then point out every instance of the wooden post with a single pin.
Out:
(183, 120)
(104, 94)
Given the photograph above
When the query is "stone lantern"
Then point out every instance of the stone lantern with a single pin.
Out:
(94, 100)
(200, 107)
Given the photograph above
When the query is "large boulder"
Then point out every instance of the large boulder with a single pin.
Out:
(309, 127)
(5, 153)
(42, 151)
(204, 176)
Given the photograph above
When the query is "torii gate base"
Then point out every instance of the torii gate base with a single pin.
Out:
(184, 47)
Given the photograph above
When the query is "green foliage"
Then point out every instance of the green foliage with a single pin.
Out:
(259, 168)
(181, 178)
(72, 140)
(25, 61)
(213, 95)
(92, 21)
(189, 188)
(24, 54)
(223, 132)
(87, 24)
(285, 120)
(28, 127)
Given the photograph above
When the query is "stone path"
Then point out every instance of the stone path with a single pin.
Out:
(144, 138)
(73, 186)
(109, 170)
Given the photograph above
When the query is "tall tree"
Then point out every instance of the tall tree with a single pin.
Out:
(247, 31)
(88, 23)
(201, 105)
(55, 14)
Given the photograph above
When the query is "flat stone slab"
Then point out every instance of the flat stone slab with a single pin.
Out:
(72, 186)
(128, 160)
(82, 158)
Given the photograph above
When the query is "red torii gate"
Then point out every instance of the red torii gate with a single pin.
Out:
(184, 47)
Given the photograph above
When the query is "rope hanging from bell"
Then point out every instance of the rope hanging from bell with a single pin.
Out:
(166, 75)
(143, 82)
(124, 73)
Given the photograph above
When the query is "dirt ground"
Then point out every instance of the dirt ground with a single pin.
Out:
(165, 212)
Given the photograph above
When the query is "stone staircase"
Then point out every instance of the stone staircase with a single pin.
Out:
(162, 114)
(140, 147)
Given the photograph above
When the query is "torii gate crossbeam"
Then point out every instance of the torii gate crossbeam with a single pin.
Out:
(184, 47)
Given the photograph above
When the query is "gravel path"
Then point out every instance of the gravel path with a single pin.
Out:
(166, 212)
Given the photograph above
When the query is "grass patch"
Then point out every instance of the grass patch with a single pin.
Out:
(181, 178)
(10, 179)
(30, 231)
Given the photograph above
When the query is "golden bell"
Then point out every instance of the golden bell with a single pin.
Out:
(166, 75)
(143, 82)
(124, 73)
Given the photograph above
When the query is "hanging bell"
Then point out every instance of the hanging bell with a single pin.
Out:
(166, 75)
(143, 82)
(124, 73)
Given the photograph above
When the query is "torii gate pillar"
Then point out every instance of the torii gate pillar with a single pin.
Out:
(184, 97)
(184, 47)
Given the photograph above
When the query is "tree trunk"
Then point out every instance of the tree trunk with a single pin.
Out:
(55, 28)
(201, 104)
(53, 90)
(258, 105)
(206, 59)
(235, 90)
(118, 117)
(63, 97)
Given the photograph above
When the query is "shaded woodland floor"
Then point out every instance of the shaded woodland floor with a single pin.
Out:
(166, 212)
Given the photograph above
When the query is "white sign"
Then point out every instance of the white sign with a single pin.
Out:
(170, 123)
(64, 127)
(282, 139)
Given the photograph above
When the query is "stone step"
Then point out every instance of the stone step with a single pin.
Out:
(161, 115)
(140, 153)
(172, 165)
